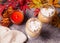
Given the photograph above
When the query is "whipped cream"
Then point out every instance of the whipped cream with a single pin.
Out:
(34, 25)
(48, 12)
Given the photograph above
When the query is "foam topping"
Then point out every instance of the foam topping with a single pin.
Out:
(48, 12)
(34, 25)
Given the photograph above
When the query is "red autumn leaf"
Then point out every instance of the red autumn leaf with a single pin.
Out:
(21, 2)
(28, 0)
(37, 10)
(10, 0)
(2, 7)
(23, 5)
(12, 3)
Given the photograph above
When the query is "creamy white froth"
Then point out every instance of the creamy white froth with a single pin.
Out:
(48, 12)
(34, 25)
